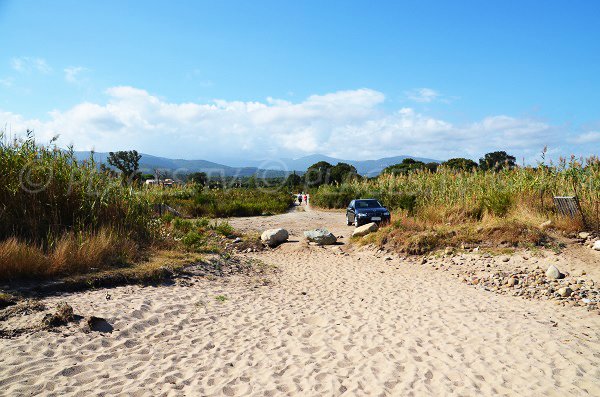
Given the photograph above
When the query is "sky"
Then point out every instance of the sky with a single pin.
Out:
(232, 80)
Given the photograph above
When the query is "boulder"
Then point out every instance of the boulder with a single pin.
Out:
(365, 229)
(596, 245)
(320, 236)
(546, 225)
(274, 237)
(554, 273)
(583, 235)
(565, 292)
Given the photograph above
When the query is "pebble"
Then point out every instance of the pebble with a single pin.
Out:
(565, 292)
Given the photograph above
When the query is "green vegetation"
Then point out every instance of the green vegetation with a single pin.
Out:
(219, 203)
(323, 173)
(60, 217)
(505, 204)
(409, 165)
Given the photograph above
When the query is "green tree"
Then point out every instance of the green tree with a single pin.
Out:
(293, 180)
(460, 163)
(128, 162)
(318, 174)
(342, 172)
(497, 161)
(406, 166)
(199, 178)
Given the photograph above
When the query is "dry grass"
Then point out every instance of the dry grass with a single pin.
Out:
(432, 229)
(71, 254)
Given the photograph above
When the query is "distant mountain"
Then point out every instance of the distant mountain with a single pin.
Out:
(149, 163)
(364, 167)
(266, 168)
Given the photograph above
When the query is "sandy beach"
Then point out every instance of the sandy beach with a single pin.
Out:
(330, 321)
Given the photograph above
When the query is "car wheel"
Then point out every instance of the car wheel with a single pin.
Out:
(348, 222)
(356, 221)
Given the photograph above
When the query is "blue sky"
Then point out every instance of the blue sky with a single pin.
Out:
(225, 80)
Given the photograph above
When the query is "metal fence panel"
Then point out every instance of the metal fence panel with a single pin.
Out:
(567, 205)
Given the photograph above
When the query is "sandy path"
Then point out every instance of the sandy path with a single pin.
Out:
(327, 324)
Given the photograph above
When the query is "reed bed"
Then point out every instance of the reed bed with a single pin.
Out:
(61, 216)
(449, 207)
(476, 193)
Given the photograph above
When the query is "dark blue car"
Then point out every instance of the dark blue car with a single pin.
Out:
(363, 211)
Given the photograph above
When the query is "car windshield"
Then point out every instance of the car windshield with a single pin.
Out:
(367, 204)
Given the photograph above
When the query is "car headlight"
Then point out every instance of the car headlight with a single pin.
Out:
(361, 215)
(386, 213)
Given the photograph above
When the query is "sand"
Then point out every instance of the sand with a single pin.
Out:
(329, 323)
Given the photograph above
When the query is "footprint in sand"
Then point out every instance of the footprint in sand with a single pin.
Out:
(319, 321)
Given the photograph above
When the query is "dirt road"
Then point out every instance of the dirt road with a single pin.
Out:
(329, 323)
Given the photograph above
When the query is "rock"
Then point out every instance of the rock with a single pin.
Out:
(583, 235)
(596, 246)
(554, 273)
(237, 240)
(449, 251)
(565, 292)
(546, 225)
(98, 324)
(512, 281)
(62, 316)
(320, 236)
(274, 237)
(365, 229)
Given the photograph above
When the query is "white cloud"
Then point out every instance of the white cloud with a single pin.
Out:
(28, 64)
(423, 95)
(588, 137)
(7, 82)
(73, 74)
(347, 124)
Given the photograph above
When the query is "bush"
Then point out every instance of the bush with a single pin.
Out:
(219, 203)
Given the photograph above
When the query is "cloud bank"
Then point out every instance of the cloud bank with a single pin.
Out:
(347, 124)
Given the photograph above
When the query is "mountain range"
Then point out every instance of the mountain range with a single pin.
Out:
(266, 168)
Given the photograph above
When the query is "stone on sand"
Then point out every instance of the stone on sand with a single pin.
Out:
(565, 292)
(596, 245)
(320, 236)
(553, 272)
(274, 237)
(365, 229)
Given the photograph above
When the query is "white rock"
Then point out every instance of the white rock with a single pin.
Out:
(274, 237)
(553, 272)
(583, 235)
(596, 245)
(365, 229)
(320, 236)
(546, 225)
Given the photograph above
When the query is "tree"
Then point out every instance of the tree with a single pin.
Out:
(128, 162)
(198, 178)
(318, 174)
(293, 180)
(406, 166)
(497, 161)
(460, 164)
(342, 172)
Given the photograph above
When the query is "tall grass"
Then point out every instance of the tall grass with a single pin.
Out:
(474, 195)
(59, 215)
